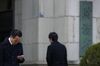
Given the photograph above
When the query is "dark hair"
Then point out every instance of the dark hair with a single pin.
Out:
(53, 36)
(16, 32)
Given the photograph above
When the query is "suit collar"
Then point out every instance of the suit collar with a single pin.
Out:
(54, 42)
(10, 40)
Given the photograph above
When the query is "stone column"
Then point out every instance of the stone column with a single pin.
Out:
(18, 14)
(72, 19)
(61, 16)
(30, 14)
(96, 21)
(45, 26)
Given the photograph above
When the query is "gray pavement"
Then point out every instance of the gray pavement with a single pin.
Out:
(44, 65)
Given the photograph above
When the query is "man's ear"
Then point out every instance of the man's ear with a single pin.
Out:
(50, 39)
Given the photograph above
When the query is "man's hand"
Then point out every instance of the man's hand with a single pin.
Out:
(20, 56)
(20, 59)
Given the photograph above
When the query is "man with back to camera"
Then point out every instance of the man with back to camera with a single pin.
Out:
(56, 52)
(11, 50)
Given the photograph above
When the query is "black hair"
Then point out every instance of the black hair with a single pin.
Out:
(16, 32)
(53, 36)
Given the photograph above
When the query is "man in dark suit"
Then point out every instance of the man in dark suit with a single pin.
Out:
(11, 51)
(56, 52)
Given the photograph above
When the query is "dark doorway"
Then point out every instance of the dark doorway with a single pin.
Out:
(6, 18)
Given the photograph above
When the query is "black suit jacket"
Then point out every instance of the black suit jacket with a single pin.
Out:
(56, 55)
(9, 53)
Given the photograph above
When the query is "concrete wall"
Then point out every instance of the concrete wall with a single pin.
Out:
(96, 21)
(36, 18)
(63, 18)
(26, 19)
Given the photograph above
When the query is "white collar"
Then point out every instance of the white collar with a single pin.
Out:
(10, 40)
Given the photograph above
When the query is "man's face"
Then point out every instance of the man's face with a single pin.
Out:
(16, 40)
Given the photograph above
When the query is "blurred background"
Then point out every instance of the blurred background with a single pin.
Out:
(77, 23)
